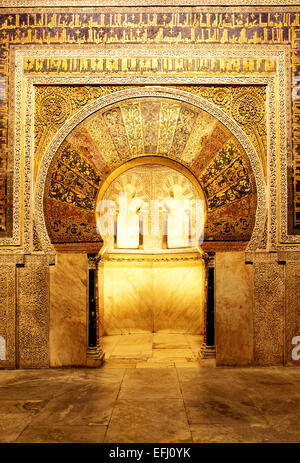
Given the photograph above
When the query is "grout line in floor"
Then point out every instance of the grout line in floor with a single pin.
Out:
(124, 372)
(187, 418)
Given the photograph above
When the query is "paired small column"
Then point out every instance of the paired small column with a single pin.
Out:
(208, 348)
(95, 354)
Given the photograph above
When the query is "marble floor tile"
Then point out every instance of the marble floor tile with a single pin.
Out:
(281, 410)
(234, 433)
(150, 383)
(223, 410)
(194, 342)
(153, 364)
(173, 354)
(98, 376)
(164, 398)
(206, 384)
(186, 363)
(132, 351)
(116, 364)
(108, 343)
(63, 434)
(15, 416)
(136, 339)
(86, 405)
(35, 389)
(160, 420)
(169, 341)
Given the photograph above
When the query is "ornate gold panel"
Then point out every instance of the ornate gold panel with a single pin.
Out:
(216, 158)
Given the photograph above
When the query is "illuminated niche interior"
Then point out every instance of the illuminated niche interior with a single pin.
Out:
(151, 208)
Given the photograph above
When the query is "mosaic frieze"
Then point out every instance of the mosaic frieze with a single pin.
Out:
(225, 157)
(73, 179)
(115, 124)
(2, 200)
(150, 112)
(81, 140)
(68, 223)
(80, 166)
(242, 188)
(233, 221)
(55, 104)
(246, 105)
(175, 129)
(213, 144)
(169, 112)
(132, 118)
(184, 127)
(235, 172)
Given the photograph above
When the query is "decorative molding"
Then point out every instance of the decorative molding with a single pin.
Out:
(144, 3)
(139, 257)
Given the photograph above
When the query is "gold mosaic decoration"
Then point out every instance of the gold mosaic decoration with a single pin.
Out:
(246, 105)
(54, 105)
(180, 132)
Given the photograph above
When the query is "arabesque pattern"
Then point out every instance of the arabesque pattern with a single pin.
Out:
(181, 132)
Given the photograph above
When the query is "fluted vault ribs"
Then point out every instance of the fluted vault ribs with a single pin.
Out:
(150, 126)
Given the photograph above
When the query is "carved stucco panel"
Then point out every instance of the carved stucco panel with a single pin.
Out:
(33, 312)
(269, 308)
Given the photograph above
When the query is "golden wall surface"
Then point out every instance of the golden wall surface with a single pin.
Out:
(152, 293)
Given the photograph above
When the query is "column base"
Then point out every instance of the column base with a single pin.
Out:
(207, 352)
(95, 357)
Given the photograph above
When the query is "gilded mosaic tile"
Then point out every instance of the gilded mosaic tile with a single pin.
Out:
(225, 173)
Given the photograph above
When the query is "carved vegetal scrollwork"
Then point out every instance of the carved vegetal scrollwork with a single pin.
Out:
(157, 92)
(247, 109)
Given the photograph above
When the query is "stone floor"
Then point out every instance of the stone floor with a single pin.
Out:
(164, 402)
(152, 350)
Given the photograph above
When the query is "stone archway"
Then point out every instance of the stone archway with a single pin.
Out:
(108, 104)
(69, 160)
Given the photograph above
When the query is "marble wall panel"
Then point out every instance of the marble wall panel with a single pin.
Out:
(152, 296)
(178, 290)
(233, 309)
(68, 310)
(33, 312)
(127, 294)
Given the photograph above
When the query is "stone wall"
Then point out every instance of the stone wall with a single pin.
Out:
(43, 309)
(233, 309)
(68, 310)
(7, 309)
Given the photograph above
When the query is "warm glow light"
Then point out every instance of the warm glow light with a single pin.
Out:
(154, 208)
